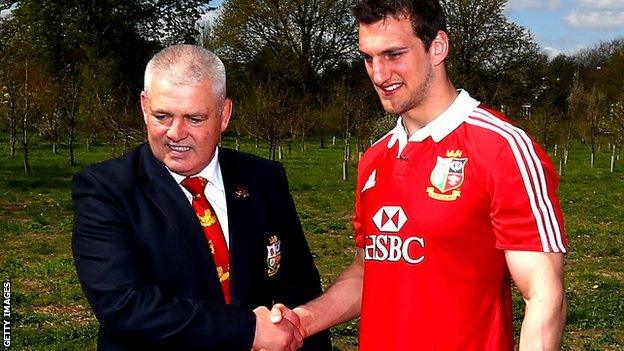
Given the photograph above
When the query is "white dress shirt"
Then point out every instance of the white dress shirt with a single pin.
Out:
(214, 191)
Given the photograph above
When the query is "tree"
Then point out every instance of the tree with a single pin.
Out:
(492, 57)
(168, 21)
(29, 102)
(614, 128)
(543, 125)
(263, 112)
(9, 36)
(108, 40)
(25, 85)
(306, 36)
(589, 109)
(562, 71)
(610, 75)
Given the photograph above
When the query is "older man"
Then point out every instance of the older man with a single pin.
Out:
(179, 241)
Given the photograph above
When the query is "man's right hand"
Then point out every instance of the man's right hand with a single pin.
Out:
(280, 312)
(282, 336)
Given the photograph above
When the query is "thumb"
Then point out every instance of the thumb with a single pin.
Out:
(277, 313)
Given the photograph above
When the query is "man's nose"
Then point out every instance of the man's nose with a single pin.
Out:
(177, 129)
(379, 71)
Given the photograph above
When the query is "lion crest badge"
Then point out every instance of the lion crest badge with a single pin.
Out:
(446, 177)
(274, 255)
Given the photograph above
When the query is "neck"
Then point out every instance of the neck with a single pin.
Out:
(438, 100)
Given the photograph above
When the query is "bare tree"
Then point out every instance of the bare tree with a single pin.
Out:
(614, 128)
(589, 109)
(263, 114)
(306, 36)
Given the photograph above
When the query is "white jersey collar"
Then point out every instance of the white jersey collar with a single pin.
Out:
(440, 127)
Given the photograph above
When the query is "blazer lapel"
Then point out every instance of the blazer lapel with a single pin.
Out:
(238, 198)
(166, 194)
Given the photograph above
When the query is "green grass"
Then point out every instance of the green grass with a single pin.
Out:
(50, 312)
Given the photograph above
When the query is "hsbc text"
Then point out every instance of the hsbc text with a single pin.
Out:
(393, 248)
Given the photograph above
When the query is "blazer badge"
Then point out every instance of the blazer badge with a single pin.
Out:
(446, 177)
(274, 255)
(241, 192)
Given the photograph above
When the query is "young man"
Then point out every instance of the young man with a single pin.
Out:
(179, 241)
(451, 205)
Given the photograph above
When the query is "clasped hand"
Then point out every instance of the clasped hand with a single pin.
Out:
(277, 330)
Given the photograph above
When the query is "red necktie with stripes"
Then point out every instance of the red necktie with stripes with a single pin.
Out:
(212, 230)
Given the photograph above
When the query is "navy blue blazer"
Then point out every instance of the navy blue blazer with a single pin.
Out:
(146, 269)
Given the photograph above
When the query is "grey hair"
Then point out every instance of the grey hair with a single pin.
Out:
(184, 65)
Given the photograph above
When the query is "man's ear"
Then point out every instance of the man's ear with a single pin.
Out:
(143, 99)
(226, 113)
(439, 48)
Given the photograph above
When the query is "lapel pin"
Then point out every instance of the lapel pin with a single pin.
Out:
(241, 192)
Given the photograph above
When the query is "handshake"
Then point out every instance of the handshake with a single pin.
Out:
(279, 329)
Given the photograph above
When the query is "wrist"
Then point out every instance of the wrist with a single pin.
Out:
(305, 320)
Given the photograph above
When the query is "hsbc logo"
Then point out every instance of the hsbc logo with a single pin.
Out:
(393, 248)
(390, 219)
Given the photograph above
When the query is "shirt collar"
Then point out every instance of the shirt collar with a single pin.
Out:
(440, 127)
(212, 172)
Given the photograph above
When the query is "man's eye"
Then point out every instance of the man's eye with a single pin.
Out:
(195, 120)
(394, 55)
(160, 117)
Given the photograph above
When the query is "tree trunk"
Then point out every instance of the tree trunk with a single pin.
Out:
(25, 126)
(25, 146)
(72, 143)
(347, 152)
(272, 150)
(591, 159)
(55, 148)
(13, 142)
(114, 144)
(613, 158)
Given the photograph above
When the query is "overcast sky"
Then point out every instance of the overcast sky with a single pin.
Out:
(569, 25)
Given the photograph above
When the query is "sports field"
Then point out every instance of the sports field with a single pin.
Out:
(49, 312)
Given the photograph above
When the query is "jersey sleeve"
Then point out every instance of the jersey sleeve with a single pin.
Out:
(525, 210)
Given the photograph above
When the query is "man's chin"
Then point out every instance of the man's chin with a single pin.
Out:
(178, 167)
(392, 109)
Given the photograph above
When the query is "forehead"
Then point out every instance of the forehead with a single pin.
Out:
(165, 95)
(163, 87)
(388, 32)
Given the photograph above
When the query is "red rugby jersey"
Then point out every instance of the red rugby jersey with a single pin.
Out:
(434, 215)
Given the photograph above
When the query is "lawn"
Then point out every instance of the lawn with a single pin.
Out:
(49, 311)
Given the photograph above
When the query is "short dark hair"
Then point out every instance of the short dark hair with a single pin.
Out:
(427, 16)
